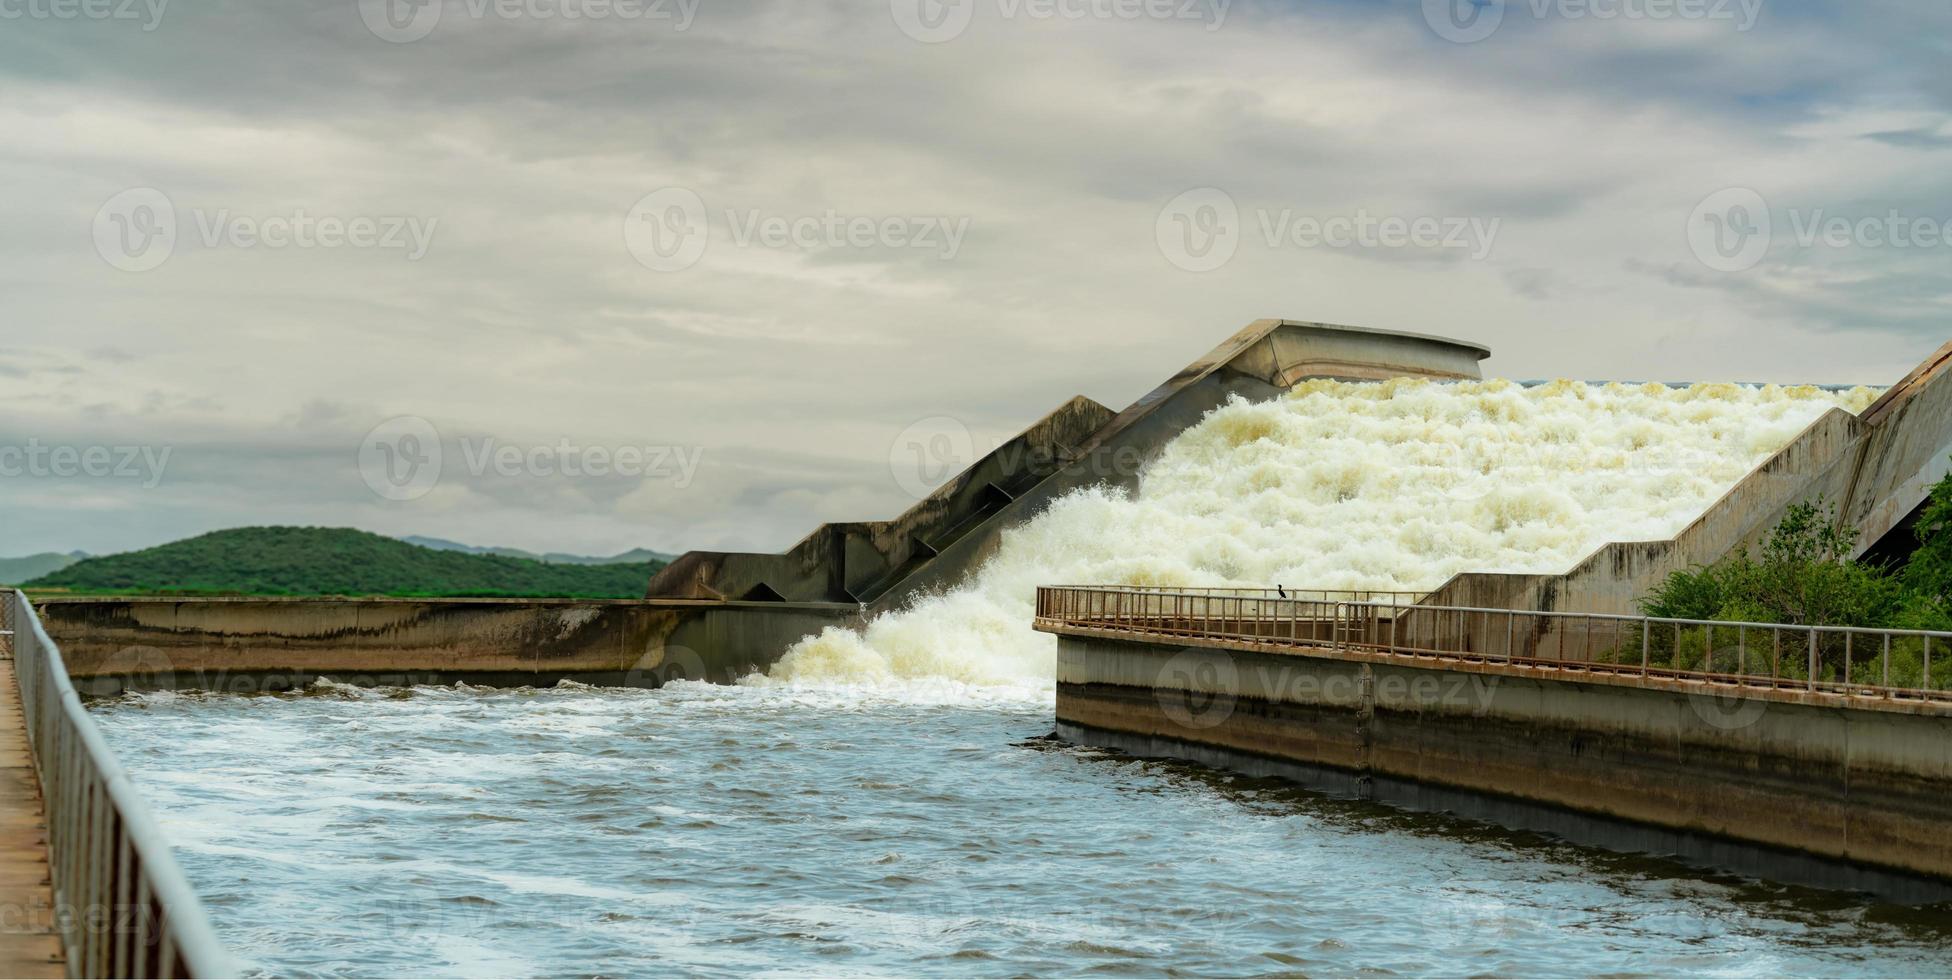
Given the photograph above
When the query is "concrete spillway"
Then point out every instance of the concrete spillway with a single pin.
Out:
(1876, 466)
(879, 565)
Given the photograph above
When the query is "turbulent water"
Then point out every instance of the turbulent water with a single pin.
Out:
(701, 830)
(889, 801)
(1348, 486)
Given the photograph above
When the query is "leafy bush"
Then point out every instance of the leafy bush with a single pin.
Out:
(1803, 575)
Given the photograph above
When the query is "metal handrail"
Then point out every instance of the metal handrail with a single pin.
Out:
(124, 907)
(1280, 592)
(1817, 658)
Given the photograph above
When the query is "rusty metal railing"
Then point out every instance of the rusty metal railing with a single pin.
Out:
(1277, 592)
(1858, 661)
(122, 905)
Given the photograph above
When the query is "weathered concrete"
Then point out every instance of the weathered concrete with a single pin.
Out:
(943, 537)
(274, 643)
(1876, 467)
(1826, 789)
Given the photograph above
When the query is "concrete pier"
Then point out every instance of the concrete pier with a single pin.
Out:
(1812, 787)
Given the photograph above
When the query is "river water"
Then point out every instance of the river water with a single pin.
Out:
(921, 829)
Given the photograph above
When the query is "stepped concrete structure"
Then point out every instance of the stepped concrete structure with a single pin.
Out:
(879, 564)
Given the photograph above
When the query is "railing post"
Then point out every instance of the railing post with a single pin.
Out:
(1887, 660)
(1646, 644)
(1812, 675)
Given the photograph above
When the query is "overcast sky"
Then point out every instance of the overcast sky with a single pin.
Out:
(295, 254)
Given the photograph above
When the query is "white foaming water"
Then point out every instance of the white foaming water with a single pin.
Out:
(1397, 485)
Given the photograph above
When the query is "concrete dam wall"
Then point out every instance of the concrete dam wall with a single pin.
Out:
(256, 644)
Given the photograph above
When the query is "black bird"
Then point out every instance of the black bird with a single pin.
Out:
(1278, 588)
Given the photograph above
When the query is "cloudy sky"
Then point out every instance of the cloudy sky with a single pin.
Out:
(271, 262)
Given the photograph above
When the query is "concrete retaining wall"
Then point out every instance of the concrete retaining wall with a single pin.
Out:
(269, 643)
(1799, 787)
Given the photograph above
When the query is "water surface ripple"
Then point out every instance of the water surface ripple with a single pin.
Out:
(740, 830)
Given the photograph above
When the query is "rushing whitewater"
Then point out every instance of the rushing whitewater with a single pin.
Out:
(1397, 485)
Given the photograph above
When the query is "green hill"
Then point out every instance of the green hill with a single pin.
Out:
(559, 557)
(336, 561)
(14, 571)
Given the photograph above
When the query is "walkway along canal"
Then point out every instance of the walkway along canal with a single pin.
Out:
(85, 874)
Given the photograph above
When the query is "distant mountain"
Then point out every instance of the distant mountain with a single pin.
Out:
(337, 561)
(14, 571)
(561, 558)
